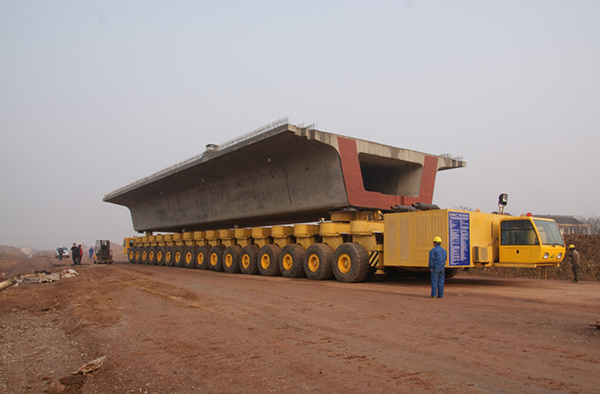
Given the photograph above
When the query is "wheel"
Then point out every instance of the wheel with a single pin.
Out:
(138, 255)
(169, 256)
(178, 256)
(144, 258)
(152, 255)
(231, 259)
(215, 262)
(248, 260)
(268, 258)
(131, 255)
(350, 263)
(202, 257)
(291, 259)
(160, 255)
(317, 262)
(188, 257)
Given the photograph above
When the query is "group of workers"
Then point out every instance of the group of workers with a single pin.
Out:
(77, 253)
(437, 264)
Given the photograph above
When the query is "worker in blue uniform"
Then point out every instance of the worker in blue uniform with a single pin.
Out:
(437, 264)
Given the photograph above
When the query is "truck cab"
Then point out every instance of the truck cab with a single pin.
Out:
(528, 240)
(128, 245)
(472, 239)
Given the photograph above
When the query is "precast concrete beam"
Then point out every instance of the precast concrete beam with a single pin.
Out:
(287, 174)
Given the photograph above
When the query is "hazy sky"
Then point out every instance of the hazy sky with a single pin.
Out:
(97, 94)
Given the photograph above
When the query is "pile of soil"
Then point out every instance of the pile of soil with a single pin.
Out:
(117, 250)
(589, 268)
(14, 262)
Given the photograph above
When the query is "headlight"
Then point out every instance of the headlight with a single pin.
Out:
(559, 256)
(546, 255)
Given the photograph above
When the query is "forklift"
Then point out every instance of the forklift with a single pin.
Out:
(102, 252)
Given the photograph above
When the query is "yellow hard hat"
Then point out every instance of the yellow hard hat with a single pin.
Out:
(571, 246)
(437, 240)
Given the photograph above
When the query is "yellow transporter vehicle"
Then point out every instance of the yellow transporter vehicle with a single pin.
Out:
(354, 244)
(230, 208)
(472, 239)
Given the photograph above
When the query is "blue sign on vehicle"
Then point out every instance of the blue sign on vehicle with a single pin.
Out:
(460, 241)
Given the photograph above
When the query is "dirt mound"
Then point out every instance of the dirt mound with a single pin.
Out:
(10, 252)
(589, 270)
(117, 250)
(13, 262)
(10, 257)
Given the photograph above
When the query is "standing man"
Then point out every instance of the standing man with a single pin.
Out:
(91, 251)
(437, 264)
(75, 253)
(574, 257)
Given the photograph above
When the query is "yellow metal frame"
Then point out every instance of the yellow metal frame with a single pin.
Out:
(401, 239)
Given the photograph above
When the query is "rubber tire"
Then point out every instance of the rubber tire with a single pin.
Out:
(144, 256)
(169, 256)
(317, 262)
(215, 261)
(231, 259)
(268, 258)
(138, 255)
(189, 255)
(201, 257)
(350, 263)
(292, 257)
(152, 255)
(160, 255)
(131, 255)
(178, 256)
(249, 260)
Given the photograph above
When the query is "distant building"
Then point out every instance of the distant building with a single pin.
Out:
(569, 224)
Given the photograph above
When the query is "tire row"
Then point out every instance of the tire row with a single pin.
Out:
(348, 263)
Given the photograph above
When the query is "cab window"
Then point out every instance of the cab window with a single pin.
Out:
(518, 232)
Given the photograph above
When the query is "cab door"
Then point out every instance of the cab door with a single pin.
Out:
(519, 243)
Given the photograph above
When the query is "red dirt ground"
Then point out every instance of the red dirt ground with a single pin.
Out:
(166, 329)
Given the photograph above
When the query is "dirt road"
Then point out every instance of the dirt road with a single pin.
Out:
(174, 330)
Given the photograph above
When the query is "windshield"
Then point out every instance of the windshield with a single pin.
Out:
(549, 232)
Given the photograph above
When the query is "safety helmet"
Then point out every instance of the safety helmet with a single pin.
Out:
(571, 246)
(437, 240)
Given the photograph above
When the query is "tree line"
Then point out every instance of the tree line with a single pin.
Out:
(593, 221)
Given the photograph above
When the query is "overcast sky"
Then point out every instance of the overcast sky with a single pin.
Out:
(97, 94)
